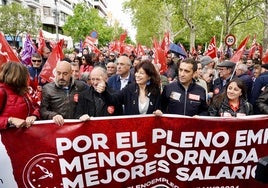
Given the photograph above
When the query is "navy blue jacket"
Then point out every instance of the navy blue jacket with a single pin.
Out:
(259, 83)
(248, 82)
(176, 100)
(115, 83)
(218, 87)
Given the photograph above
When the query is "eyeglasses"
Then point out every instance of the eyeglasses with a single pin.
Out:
(35, 60)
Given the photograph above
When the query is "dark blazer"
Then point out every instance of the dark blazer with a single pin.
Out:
(129, 97)
(115, 83)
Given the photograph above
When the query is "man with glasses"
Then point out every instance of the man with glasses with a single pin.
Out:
(35, 69)
(225, 70)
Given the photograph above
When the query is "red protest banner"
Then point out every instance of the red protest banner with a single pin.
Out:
(135, 151)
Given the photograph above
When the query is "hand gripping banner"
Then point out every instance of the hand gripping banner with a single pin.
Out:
(134, 152)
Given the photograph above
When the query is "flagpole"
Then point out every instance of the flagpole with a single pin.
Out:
(57, 20)
(236, 64)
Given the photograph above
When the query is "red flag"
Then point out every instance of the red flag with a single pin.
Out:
(240, 50)
(127, 49)
(160, 56)
(114, 46)
(41, 43)
(254, 47)
(94, 49)
(90, 43)
(265, 58)
(6, 52)
(139, 50)
(123, 37)
(193, 51)
(165, 42)
(212, 49)
(55, 56)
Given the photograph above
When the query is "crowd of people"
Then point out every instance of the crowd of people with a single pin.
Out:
(107, 84)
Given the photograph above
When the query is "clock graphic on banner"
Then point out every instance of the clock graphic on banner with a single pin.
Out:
(41, 172)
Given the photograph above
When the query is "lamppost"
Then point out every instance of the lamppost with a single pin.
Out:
(56, 13)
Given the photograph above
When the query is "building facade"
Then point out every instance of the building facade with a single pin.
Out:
(54, 13)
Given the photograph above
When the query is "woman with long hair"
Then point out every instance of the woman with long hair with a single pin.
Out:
(232, 102)
(140, 97)
(16, 108)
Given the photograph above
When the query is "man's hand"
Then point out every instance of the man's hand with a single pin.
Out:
(58, 119)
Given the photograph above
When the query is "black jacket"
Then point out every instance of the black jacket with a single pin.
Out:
(176, 100)
(94, 104)
(219, 109)
(129, 97)
(262, 101)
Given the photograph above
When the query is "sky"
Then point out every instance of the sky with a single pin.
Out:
(115, 6)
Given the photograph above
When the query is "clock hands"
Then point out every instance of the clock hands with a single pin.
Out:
(47, 173)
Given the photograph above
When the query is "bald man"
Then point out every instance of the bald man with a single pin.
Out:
(123, 75)
(59, 98)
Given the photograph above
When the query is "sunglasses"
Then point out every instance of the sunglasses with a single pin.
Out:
(34, 60)
(211, 75)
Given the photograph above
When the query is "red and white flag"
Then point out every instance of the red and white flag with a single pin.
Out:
(89, 41)
(165, 42)
(123, 37)
(55, 56)
(41, 43)
(212, 49)
(6, 52)
(139, 50)
(160, 56)
(240, 50)
(254, 47)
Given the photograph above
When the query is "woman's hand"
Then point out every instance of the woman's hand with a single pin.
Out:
(17, 122)
(158, 113)
(84, 117)
(30, 120)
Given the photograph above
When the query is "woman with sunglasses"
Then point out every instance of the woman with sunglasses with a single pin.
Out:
(87, 63)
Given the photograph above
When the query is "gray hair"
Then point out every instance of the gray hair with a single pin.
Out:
(242, 67)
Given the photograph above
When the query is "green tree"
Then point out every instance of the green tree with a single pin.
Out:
(86, 19)
(146, 19)
(16, 20)
(194, 21)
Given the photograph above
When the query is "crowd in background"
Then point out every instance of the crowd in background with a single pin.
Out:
(87, 84)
